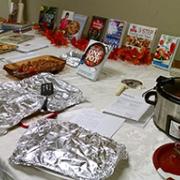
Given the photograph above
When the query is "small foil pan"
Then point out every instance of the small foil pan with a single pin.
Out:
(72, 58)
(69, 150)
(6, 48)
(132, 83)
(19, 99)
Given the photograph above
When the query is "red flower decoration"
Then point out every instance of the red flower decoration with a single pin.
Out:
(59, 39)
(80, 44)
(36, 27)
(55, 36)
(132, 55)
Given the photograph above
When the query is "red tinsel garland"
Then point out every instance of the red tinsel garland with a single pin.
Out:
(80, 44)
(132, 55)
(55, 36)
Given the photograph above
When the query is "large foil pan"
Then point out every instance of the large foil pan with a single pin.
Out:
(65, 94)
(69, 150)
(16, 103)
(19, 99)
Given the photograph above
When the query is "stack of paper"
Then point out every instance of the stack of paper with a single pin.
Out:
(94, 121)
(130, 105)
(31, 46)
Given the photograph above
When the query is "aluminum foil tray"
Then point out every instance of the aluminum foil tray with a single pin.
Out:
(19, 99)
(72, 58)
(69, 150)
(65, 94)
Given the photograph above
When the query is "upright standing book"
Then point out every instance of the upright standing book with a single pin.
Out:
(115, 32)
(80, 20)
(93, 59)
(165, 51)
(66, 18)
(47, 17)
(74, 26)
(96, 28)
(140, 36)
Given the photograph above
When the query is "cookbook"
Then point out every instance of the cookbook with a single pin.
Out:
(115, 32)
(93, 59)
(80, 20)
(66, 17)
(96, 28)
(139, 36)
(165, 51)
(47, 17)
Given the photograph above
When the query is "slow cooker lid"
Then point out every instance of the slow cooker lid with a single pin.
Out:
(170, 88)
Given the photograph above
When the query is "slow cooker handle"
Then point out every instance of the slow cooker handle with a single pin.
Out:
(150, 94)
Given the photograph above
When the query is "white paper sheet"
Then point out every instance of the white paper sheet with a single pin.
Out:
(33, 45)
(130, 105)
(93, 120)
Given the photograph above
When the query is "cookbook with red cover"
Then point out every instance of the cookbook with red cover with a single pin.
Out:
(96, 28)
(93, 59)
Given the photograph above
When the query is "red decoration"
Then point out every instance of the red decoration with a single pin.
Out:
(55, 36)
(167, 158)
(36, 27)
(80, 44)
(132, 55)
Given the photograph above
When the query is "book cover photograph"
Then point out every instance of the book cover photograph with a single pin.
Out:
(72, 24)
(80, 20)
(66, 19)
(96, 28)
(93, 59)
(115, 32)
(165, 51)
(140, 36)
(47, 17)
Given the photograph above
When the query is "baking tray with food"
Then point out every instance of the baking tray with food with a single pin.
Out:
(7, 47)
(28, 67)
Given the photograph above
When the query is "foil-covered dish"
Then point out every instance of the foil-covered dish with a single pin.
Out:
(72, 58)
(65, 94)
(19, 99)
(68, 150)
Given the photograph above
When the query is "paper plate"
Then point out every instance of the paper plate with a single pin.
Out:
(166, 160)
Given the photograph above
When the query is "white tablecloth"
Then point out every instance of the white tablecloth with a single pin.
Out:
(141, 142)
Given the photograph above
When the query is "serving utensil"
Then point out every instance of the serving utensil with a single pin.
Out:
(47, 89)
